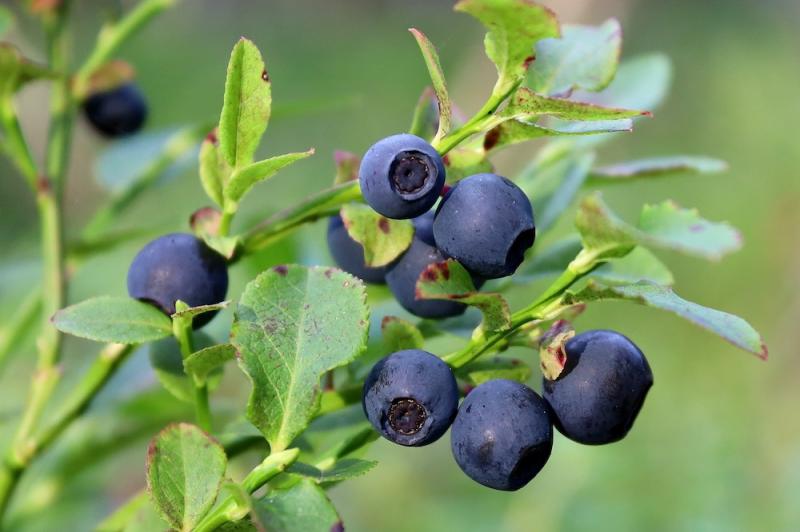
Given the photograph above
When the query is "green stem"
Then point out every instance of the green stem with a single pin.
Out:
(325, 203)
(112, 37)
(82, 394)
(53, 280)
(481, 121)
(225, 222)
(24, 452)
(19, 324)
(61, 108)
(15, 145)
(175, 148)
(182, 329)
(230, 509)
(547, 303)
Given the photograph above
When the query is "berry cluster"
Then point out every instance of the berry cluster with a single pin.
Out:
(484, 221)
(502, 433)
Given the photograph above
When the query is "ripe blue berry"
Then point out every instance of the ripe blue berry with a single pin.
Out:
(486, 223)
(179, 266)
(349, 254)
(401, 176)
(410, 397)
(403, 274)
(601, 389)
(117, 112)
(502, 435)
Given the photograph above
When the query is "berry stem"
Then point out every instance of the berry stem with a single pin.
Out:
(546, 305)
(182, 330)
(483, 120)
(230, 509)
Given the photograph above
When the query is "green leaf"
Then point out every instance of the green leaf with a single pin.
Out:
(146, 519)
(549, 262)
(731, 328)
(642, 82)
(292, 325)
(214, 170)
(513, 27)
(603, 234)
(346, 166)
(132, 164)
(520, 120)
(303, 507)
(186, 312)
(399, 334)
(664, 225)
(167, 362)
(246, 177)
(638, 265)
(668, 226)
(185, 468)
(120, 519)
(476, 373)
(344, 469)
(439, 85)
(246, 105)
(425, 120)
(16, 70)
(527, 105)
(383, 239)
(202, 363)
(6, 20)
(584, 57)
(657, 166)
(451, 281)
(465, 161)
(556, 188)
(113, 319)
(224, 245)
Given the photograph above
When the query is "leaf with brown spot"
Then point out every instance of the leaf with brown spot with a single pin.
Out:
(451, 281)
(383, 239)
(437, 78)
(729, 327)
(246, 105)
(292, 325)
(513, 27)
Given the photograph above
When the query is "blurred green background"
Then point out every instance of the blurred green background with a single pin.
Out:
(717, 445)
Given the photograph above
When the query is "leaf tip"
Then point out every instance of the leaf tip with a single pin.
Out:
(764, 353)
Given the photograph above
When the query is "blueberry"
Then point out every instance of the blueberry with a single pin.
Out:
(179, 266)
(349, 254)
(401, 176)
(116, 112)
(502, 435)
(601, 389)
(403, 274)
(486, 223)
(410, 397)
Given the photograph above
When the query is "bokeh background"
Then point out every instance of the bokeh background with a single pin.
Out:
(717, 445)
